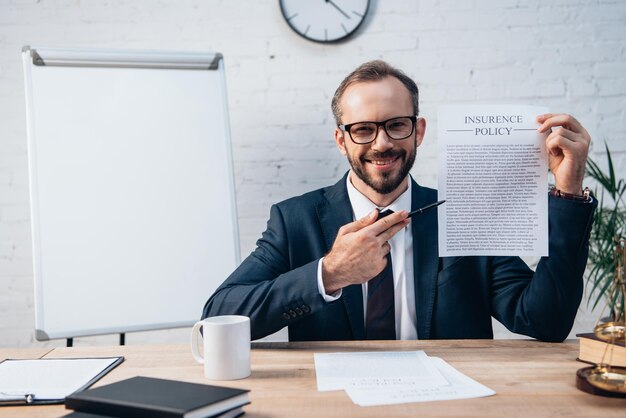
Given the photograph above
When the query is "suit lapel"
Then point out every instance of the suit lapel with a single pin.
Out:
(334, 212)
(425, 260)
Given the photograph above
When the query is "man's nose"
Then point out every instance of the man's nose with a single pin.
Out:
(382, 141)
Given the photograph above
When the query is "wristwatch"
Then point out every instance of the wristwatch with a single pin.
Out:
(584, 197)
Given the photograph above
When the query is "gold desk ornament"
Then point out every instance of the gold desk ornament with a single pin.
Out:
(604, 379)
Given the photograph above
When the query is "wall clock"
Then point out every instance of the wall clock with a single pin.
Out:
(324, 21)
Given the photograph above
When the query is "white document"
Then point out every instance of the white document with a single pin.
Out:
(45, 380)
(459, 387)
(493, 174)
(336, 371)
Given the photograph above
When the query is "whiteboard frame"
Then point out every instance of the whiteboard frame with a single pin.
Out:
(32, 56)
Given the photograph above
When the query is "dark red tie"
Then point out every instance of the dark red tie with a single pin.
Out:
(380, 322)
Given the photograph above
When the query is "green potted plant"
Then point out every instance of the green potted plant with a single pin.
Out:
(606, 347)
(609, 225)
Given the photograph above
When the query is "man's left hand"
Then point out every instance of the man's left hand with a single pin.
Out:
(568, 146)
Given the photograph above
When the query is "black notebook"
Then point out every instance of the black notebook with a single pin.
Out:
(233, 413)
(145, 397)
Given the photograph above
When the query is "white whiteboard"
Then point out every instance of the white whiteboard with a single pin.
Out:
(132, 197)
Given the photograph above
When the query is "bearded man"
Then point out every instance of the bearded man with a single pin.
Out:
(330, 266)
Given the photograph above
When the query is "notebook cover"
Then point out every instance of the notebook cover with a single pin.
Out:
(233, 413)
(156, 398)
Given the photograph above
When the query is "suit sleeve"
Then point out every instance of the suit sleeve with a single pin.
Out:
(543, 305)
(266, 287)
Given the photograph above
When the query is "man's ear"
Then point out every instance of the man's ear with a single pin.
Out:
(420, 130)
(340, 141)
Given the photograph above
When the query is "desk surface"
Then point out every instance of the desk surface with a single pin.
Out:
(532, 379)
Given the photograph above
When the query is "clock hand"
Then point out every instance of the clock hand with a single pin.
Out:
(337, 7)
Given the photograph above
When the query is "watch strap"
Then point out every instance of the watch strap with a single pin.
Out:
(584, 197)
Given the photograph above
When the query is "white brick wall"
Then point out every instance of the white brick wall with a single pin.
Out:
(565, 54)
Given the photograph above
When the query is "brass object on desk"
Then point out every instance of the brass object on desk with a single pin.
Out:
(605, 379)
(609, 378)
(610, 331)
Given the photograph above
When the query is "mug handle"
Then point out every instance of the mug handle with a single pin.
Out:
(195, 331)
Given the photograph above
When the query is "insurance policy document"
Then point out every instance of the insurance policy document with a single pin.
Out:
(493, 174)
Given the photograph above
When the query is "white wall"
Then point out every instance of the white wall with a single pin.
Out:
(567, 55)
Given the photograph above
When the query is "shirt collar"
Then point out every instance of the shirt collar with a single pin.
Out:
(361, 205)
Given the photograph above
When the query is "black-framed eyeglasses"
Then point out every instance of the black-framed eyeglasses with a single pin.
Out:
(365, 132)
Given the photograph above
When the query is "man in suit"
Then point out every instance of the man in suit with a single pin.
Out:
(330, 267)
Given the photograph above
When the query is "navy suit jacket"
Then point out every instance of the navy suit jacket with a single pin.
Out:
(455, 297)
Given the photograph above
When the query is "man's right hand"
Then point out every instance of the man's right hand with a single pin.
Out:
(360, 250)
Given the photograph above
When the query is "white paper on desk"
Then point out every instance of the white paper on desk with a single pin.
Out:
(459, 387)
(48, 379)
(335, 371)
(493, 174)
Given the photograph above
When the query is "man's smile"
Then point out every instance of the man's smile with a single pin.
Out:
(383, 162)
(387, 161)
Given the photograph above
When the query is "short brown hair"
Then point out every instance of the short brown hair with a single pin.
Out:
(374, 71)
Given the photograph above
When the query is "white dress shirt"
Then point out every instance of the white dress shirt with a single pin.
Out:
(401, 260)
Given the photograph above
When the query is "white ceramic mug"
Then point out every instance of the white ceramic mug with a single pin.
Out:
(226, 354)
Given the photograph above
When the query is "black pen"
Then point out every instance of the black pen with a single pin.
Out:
(425, 208)
(388, 212)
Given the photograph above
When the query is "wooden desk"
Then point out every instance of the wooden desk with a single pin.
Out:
(532, 379)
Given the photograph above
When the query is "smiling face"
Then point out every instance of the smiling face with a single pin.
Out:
(380, 168)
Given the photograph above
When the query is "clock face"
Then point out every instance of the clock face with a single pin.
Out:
(324, 20)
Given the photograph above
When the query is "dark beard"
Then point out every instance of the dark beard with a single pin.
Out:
(389, 181)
